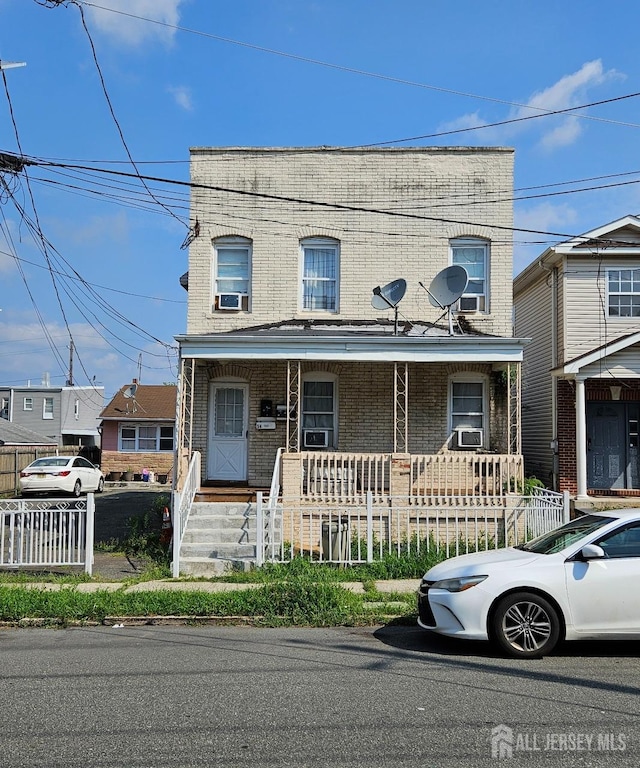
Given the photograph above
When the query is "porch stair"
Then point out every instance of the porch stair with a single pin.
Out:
(220, 536)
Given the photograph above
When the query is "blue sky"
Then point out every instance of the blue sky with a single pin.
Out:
(97, 257)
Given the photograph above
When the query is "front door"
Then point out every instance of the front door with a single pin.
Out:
(227, 445)
(612, 458)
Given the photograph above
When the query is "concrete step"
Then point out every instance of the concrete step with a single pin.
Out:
(218, 550)
(220, 522)
(207, 567)
(223, 535)
(222, 508)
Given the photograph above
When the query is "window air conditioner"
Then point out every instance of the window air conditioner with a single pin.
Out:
(470, 438)
(468, 303)
(315, 438)
(229, 300)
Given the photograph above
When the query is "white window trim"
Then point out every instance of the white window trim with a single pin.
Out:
(136, 427)
(45, 413)
(318, 242)
(321, 376)
(619, 318)
(476, 242)
(234, 242)
(29, 401)
(473, 378)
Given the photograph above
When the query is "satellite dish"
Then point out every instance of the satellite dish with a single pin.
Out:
(448, 286)
(390, 295)
(130, 391)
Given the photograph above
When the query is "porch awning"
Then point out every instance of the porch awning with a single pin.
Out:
(589, 365)
(357, 345)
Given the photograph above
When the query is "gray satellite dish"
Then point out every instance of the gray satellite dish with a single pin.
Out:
(446, 288)
(389, 296)
(130, 391)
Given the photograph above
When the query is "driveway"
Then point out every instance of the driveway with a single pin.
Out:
(114, 507)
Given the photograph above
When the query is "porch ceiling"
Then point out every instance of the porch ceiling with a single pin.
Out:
(360, 345)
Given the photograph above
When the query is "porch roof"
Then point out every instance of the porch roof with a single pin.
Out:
(364, 341)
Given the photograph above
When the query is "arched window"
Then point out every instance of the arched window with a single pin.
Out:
(232, 270)
(319, 410)
(320, 272)
(468, 409)
(472, 253)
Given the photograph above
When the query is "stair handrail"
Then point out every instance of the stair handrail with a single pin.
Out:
(182, 502)
(265, 512)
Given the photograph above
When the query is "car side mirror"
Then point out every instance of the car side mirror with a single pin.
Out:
(591, 552)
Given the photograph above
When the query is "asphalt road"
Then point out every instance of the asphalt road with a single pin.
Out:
(232, 696)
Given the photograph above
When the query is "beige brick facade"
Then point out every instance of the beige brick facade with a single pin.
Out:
(431, 195)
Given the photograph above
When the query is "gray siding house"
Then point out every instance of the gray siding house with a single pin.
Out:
(579, 302)
(67, 415)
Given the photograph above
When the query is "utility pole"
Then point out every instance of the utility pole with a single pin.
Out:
(70, 379)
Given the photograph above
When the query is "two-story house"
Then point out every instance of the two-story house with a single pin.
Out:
(68, 415)
(315, 351)
(580, 304)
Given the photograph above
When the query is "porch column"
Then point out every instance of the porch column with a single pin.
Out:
(400, 407)
(581, 440)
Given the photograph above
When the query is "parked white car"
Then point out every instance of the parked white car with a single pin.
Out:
(68, 474)
(578, 581)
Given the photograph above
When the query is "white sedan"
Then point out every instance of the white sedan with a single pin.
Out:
(69, 474)
(578, 581)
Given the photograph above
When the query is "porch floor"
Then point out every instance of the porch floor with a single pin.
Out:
(216, 493)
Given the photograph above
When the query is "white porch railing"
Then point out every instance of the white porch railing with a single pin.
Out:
(329, 477)
(365, 532)
(466, 474)
(267, 514)
(47, 532)
(181, 507)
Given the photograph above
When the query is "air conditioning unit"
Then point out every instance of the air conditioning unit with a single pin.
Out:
(470, 438)
(229, 301)
(469, 303)
(315, 438)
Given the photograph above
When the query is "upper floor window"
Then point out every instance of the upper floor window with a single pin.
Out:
(47, 408)
(27, 404)
(320, 266)
(468, 410)
(473, 254)
(232, 269)
(623, 288)
(4, 408)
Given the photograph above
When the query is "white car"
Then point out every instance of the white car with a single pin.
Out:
(578, 581)
(69, 474)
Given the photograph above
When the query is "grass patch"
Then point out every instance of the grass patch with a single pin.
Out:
(295, 603)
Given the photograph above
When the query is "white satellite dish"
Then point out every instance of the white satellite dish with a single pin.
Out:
(446, 288)
(389, 296)
(130, 391)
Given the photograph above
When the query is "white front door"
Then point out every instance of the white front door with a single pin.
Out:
(227, 448)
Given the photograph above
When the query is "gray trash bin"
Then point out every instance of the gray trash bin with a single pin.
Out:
(336, 539)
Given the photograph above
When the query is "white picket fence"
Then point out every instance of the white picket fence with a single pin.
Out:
(366, 532)
(47, 532)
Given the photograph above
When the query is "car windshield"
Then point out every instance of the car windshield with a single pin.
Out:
(56, 461)
(559, 538)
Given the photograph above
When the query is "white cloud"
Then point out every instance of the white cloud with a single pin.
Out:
(182, 96)
(119, 22)
(569, 91)
(470, 120)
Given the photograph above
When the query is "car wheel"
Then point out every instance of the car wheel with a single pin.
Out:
(525, 625)
(100, 487)
(77, 489)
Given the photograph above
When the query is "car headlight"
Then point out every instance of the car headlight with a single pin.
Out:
(458, 585)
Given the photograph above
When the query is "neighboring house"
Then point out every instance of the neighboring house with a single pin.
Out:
(68, 415)
(580, 304)
(284, 348)
(13, 435)
(138, 430)
(18, 447)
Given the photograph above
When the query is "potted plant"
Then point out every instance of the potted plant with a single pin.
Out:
(115, 476)
(128, 475)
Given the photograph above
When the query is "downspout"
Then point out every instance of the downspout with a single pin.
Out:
(553, 274)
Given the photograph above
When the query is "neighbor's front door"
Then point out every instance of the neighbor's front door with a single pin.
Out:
(612, 454)
(227, 449)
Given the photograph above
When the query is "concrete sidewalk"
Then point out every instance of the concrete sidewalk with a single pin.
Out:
(395, 586)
